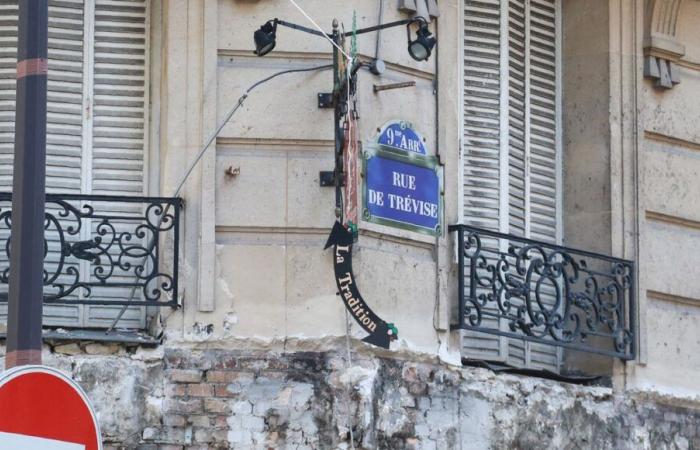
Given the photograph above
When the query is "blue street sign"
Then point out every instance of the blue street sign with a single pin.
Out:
(399, 134)
(402, 189)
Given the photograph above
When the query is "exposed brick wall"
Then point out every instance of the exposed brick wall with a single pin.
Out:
(222, 399)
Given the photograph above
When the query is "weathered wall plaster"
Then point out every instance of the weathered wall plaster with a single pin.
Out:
(669, 227)
(198, 397)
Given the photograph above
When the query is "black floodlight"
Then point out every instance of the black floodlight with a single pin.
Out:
(420, 48)
(265, 38)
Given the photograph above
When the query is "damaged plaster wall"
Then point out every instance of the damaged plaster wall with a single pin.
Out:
(199, 397)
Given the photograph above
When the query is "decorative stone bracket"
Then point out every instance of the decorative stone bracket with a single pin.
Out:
(663, 71)
(662, 50)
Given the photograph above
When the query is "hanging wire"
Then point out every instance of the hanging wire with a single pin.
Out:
(198, 158)
(233, 111)
(347, 319)
(349, 364)
(349, 118)
(304, 13)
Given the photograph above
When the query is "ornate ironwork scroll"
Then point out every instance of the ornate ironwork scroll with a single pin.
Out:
(534, 291)
(98, 249)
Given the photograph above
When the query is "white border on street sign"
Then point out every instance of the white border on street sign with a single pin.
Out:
(13, 373)
(12, 441)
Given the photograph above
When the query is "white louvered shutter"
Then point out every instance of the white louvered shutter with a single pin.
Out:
(64, 128)
(95, 120)
(511, 146)
(118, 133)
(119, 97)
(8, 71)
(482, 143)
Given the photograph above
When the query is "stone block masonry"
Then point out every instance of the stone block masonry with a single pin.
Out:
(192, 398)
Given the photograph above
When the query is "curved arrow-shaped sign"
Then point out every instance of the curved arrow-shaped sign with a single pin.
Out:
(380, 333)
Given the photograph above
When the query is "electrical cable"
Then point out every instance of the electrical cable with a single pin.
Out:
(348, 72)
(349, 364)
(233, 111)
(198, 158)
(308, 17)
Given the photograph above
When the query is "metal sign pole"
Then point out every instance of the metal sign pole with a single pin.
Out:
(337, 117)
(29, 188)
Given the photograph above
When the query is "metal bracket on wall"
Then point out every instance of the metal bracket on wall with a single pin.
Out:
(325, 100)
(386, 87)
(327, 178)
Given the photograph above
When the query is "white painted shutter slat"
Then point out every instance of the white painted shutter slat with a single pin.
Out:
(525, 95)
(518, 353)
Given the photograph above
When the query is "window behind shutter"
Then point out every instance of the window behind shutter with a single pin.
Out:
(511, 162)
(95, 120)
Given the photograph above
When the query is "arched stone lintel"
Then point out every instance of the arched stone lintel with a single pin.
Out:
(660, 21)
(662, 49)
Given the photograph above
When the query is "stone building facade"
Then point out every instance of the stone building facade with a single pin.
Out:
(569, 123)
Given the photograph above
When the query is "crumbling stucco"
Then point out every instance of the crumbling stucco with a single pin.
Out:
(200, 397)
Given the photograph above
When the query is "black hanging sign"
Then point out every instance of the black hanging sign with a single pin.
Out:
(380, 333)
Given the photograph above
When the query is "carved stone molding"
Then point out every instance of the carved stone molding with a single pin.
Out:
(662, 49)
(661, 18)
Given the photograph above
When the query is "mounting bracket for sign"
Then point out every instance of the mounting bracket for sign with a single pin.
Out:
(325, 100)
(326, 178)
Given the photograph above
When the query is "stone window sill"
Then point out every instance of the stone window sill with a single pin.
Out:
(118, 337)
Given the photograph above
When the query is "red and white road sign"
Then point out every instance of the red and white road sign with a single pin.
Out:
(43, 409)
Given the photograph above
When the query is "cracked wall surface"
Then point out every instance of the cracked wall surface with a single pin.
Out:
(196, 398)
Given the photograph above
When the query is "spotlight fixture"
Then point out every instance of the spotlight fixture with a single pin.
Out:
(265, 38)
(420, 48)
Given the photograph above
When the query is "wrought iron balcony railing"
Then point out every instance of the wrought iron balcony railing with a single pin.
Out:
(104, 250)
(539, 292)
